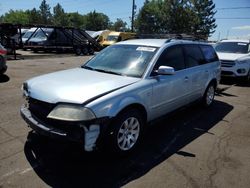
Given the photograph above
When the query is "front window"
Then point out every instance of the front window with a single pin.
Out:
(127, 60)
(232, 47)
(112, 38)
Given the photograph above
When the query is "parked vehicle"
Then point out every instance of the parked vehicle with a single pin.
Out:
(235, 58)
(28, 34)
(103, 37)
(113, 97)
(7, 33)
(61, 39)
(115, 37)
(3, 66)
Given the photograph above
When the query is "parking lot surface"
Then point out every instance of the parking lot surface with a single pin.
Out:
(193, 147)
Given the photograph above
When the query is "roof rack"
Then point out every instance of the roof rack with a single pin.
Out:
(171, 36)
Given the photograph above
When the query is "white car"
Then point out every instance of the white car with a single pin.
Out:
(235, 58)
(111, 98)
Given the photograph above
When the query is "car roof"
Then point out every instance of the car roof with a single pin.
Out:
(235, 40)
(158, 42)
(145, 42)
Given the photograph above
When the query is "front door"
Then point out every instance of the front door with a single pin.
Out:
(170, 91)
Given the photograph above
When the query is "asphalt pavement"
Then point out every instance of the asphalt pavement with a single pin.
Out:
(194, 147)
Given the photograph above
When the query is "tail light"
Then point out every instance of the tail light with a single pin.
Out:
(3, 51)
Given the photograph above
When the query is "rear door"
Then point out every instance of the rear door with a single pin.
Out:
(196, 71)
(170, 91)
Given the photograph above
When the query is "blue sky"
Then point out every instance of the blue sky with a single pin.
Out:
(232, 28)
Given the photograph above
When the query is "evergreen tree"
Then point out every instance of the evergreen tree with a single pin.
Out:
(34, 16)
(119, 25)
(205, 21)
(45, 13)
(76, 20)
(149, 19)
(97, 21)
(177, 16)
(60, 18)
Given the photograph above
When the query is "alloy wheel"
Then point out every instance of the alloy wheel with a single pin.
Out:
(128, 133)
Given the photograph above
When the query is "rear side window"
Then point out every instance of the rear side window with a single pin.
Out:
(173, 57)
(209, 53)
(193, 55)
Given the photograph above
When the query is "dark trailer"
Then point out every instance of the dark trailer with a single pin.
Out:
(61, 39)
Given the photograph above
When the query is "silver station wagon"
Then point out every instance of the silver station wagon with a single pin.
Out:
(110, 99)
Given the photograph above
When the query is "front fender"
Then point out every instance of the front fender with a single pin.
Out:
(110, 108)
(125, 102)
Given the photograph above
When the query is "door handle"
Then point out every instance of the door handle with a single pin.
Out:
(186, 78)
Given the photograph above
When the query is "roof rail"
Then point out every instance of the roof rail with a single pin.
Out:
(171, 36)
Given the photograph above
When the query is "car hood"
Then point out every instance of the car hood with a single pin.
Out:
(38, 39)
(75, 85)
(230, 56)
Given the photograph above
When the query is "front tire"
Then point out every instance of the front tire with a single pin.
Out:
(248, 77)
(126, 131)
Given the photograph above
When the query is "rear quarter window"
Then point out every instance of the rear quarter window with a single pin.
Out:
(209, 53)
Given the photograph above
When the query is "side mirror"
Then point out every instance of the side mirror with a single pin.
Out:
(165, 70)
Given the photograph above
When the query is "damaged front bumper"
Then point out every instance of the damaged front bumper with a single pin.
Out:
(88, 134)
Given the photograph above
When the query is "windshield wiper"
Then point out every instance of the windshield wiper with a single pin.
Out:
(87, 67)
(107, 71)
(101, 70)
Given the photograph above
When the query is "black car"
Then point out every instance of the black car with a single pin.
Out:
(3, 66)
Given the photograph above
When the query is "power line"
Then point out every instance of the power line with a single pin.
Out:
(234, 18)
(231, 8)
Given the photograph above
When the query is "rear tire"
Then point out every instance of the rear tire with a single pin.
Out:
(84, 51)
(208, 97)
(91, 51)
(78, 51)
(126, 132)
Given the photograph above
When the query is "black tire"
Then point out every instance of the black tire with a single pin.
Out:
(91, 51)
(1, 59)
(84, 51)
(248, 77)
(124, 140)
(208, 97)
(78, 51)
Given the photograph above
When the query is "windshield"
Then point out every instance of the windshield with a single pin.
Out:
(42, 33)
(112, 38)
(232, 47)
(128, 60)
(28, 34)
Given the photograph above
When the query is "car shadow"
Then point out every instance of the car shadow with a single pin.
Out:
(235, 81)
(61, 164)
(4, 78)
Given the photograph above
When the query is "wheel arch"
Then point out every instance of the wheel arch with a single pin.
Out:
(135, 106)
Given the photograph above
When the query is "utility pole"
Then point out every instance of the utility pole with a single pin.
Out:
(133, 16)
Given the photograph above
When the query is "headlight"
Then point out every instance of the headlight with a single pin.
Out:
(71, 113)
(243, 61)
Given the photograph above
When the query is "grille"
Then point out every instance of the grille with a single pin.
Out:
(227, 63)
(227, 73)
(39, 108)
